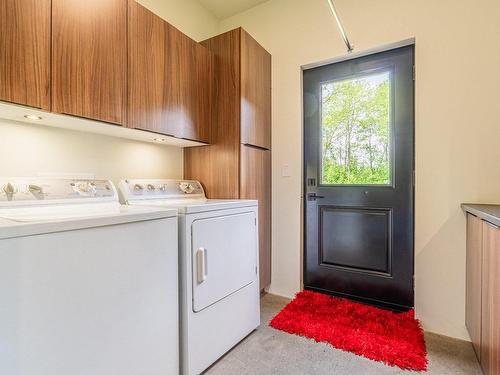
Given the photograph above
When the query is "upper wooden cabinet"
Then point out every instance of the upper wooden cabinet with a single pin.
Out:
(243, 87)
(169, 78)
(203, 88)
(25, 52)
(89, 58)
(107, 60)
(255, 93)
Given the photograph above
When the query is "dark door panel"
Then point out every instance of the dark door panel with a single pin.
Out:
(355, 238)
(358, 171)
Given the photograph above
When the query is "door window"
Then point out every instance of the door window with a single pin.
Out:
(356, 131)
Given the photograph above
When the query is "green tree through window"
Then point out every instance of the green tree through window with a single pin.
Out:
(356, 131)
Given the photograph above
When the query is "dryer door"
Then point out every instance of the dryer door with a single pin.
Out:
(224, 257)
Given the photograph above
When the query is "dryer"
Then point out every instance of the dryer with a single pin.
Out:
(218, 252)
(87, 286)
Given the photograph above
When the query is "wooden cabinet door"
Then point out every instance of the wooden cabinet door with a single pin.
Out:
(490, 331)
(151, 98)
(25, 52)
(193, 65)
(89, 58)
(473, 281)
(255, 93)
(168, 76)
(255, 183)
(203, 92)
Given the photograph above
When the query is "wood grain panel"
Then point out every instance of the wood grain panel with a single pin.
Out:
(473, 281)
(490, 330)
(255, 93)
(202, 91)
(25, 52)
(217, 166)
(150, 92)
(89, 58)
(194, 62)
(255, 183)
(169, 78)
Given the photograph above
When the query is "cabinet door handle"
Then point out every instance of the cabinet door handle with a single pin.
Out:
(201, 265)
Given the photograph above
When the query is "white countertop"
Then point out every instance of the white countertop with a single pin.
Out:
(487, 212)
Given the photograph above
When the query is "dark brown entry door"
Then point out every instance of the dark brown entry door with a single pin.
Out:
(358, 178)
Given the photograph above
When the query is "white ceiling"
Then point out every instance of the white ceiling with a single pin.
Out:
(227, 8)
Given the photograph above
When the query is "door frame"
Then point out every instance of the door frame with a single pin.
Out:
(345, 57)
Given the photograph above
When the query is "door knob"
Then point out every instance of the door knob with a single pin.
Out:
(313, 196)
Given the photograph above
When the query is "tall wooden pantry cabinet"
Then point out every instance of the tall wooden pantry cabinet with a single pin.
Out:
(237, 164)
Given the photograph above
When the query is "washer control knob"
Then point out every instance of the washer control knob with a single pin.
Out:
(138, 188)
(186, 187)
(84, 188)
(151, 187)
(163, 187)
(35, 189)
(9, 189)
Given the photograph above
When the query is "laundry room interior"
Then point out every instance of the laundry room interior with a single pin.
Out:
(249, 187)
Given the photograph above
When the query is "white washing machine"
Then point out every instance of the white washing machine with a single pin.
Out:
(87, 286)
(218, 247)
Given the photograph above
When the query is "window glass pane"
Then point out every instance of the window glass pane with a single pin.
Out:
(356, 131)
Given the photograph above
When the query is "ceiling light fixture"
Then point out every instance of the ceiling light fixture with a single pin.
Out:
(159, 139)
(33, 117)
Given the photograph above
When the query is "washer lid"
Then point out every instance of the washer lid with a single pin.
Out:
(25, 223)
(57, 212)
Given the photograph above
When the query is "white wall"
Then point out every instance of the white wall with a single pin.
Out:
(189, 16)
(457, 125)
(29, 149)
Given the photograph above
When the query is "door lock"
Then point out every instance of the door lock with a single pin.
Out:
(313, 196)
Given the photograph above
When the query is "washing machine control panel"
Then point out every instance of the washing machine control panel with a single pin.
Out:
(32, 189)
(160, 189)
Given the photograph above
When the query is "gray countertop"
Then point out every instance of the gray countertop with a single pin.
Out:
(488, 212)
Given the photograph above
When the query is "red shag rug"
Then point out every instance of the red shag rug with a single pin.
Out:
(381, 335)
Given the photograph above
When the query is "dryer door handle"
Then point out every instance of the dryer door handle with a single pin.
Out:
(201, 264)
